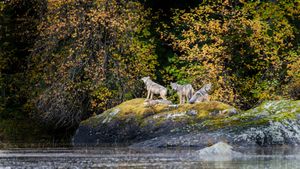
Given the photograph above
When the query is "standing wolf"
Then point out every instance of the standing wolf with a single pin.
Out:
(185, 92)
(154, 88)
(202, 94)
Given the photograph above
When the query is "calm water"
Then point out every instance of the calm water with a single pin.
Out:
(118, 157)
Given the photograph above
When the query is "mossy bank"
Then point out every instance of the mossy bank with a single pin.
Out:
(201, 124)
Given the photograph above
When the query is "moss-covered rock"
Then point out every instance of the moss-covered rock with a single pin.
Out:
(273, 122)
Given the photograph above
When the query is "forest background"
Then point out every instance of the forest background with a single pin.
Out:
(64, 61)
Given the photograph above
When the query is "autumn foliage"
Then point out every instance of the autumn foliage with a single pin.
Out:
(63, 61)
(249, 51)
(89, 57)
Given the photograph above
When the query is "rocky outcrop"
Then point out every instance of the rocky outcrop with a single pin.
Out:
(272, 123)
(197, 125)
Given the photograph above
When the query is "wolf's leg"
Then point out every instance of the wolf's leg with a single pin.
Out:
(148, 94)
(187, 98)
(163, 96)
(191, 93)
(180, 98)
(151, 95)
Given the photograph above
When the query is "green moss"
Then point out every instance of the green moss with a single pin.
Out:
(209, 115)
(92, 121)
(266, 112)
(134, 107)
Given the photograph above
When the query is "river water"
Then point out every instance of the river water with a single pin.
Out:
(122, 157)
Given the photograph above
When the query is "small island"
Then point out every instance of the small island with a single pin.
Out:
(193, 125)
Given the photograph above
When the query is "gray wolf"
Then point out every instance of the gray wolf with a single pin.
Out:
(202, 94)
(185, 92)
(154, 88)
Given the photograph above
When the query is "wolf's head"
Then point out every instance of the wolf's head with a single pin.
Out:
(174, 86)
(145, 79)
(207, 87)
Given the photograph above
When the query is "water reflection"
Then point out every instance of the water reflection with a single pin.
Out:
(120, 157)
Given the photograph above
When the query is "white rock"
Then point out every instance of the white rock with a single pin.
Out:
(218, 152)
